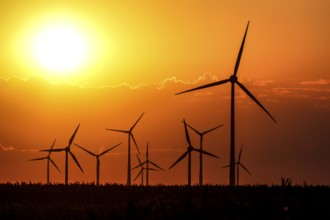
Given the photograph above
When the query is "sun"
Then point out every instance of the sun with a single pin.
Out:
(63, 45)
(61, 49)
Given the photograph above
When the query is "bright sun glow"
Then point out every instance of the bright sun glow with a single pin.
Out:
(62, 46)
(60, 49)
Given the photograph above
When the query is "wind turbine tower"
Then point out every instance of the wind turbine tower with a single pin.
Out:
(130, 136)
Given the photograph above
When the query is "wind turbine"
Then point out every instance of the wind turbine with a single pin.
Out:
(188, 152)
(97, 156)
(67, 152)
(201, 135)
(238, 164)
(141, 170)
(48, 160)
(233, 80)
(130, 135)
(147, 161)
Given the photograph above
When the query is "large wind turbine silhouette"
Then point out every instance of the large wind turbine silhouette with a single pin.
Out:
(141, 170)
(130, 135)
(147, 161)
(238, 164)
(233, 80)
(201, 135)
(97, 156)
(48, 160)
(188, 152)
(67, 152)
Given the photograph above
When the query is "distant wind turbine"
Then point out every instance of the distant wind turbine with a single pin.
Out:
(48, 160)
(188, 152)
(130, 135)
(67, 152)
(233, 80)
(97, 156)
(146, 162)
(201, 135)
(142, 168)
(238, 164)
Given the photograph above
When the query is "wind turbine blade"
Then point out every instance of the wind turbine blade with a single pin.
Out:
(137, 176)
(186, 132)
(137, 121)
(106, 151)
(109, 129)
(205, 152)
(212, 129)
(51, 148)
(40, 158)
(75, 160)
(136, 167)
(240, 154)
(193, 129)
(241, 50)
(254, 99)
(245, 168)
(140, 165)
(205, 86)
(135, 142)
(138, 159)
(91, 153)
(74, 134)
(180, 158)
(156, 165)
(55, 165)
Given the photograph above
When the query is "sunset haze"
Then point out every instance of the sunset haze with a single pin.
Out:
(135, 56)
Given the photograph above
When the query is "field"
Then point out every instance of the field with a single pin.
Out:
(87, 201)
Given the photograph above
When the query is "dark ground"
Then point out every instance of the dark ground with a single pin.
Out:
(77, 201)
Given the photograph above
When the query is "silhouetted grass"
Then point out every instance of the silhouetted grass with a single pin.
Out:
(87, 201)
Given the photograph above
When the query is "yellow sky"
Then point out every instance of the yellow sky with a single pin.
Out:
(145, 42)
(142, 52)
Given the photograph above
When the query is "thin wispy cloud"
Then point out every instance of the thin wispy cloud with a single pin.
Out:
(4, 148)
(314, 89)
(321, 82)
(299, 92)
(11, 148)
(122, 85)
(174, 80)
(262, 83)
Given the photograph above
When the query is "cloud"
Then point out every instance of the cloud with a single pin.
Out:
(206, 77)
(315, 96)
(41, 81)
(11, 148)
(321, 82)
(4, 148)
(15, 87)
(299, 92)
(323, 98)
(262, 83)
(122, 85)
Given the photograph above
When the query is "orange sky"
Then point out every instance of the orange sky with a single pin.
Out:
(143, 53)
